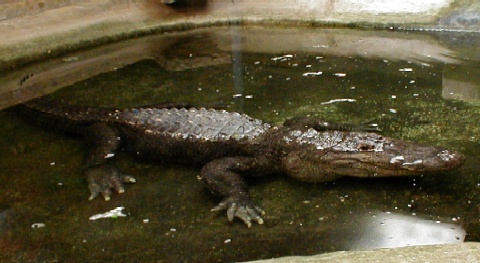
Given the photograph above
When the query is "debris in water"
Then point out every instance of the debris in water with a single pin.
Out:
(117, 212)
(338, 100)
(283, 58)
(406, 69)
(306, 74)
(340, 75)
(38, 225)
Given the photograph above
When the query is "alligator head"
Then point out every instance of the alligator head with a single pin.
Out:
(324, 156)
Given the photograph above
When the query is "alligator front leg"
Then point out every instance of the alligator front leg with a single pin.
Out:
(319, 125)
(223, 178)
(102, 176)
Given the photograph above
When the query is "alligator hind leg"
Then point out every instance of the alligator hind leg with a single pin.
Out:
(307, 122)
(223, 178)
(102, 176)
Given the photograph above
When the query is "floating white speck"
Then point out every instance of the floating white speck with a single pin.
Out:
(392, 110)
(248, 96)
(406, 69)
(146, 221)
(227, 241)
(236, 96)
(394, 97)
(173, 230)
(341, 75)
(338, 100)
(117, 212)
(257, 62)
(52, 163)
(306, 74)
(110, 155)
(38, 225)
(283, 58)
(412, 81)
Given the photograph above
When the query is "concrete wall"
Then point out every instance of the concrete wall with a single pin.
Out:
(36, 29)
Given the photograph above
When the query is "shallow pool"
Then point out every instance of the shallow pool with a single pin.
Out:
(422, 87)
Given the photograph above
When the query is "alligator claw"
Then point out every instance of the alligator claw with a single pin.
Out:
(104, 178)
(241, 208)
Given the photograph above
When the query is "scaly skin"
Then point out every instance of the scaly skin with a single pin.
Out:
(230, 146)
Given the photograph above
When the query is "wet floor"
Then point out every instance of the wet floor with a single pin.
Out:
(422, 87)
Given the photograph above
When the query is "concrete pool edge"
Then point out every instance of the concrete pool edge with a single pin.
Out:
(465, 252)
(45, 34)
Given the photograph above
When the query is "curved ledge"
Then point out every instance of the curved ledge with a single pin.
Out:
(32, 33)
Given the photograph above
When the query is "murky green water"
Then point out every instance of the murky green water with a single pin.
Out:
(418, 87)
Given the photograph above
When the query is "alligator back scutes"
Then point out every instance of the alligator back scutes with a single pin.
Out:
(202, 124)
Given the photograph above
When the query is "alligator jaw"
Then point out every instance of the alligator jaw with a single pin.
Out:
(439, 160)
(407, 159)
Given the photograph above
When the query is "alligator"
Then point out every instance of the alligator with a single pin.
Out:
(230, 146)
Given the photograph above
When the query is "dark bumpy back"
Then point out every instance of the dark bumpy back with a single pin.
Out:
(193, 124)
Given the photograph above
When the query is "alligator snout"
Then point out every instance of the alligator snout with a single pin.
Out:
(443, 160)
(428, 159)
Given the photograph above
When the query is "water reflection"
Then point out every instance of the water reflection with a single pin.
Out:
(375, 229)
(221, 46)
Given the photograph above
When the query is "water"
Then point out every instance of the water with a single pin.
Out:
(418, 87)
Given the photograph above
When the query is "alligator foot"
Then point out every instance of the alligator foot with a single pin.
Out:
(102, 179)
(242, 208)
